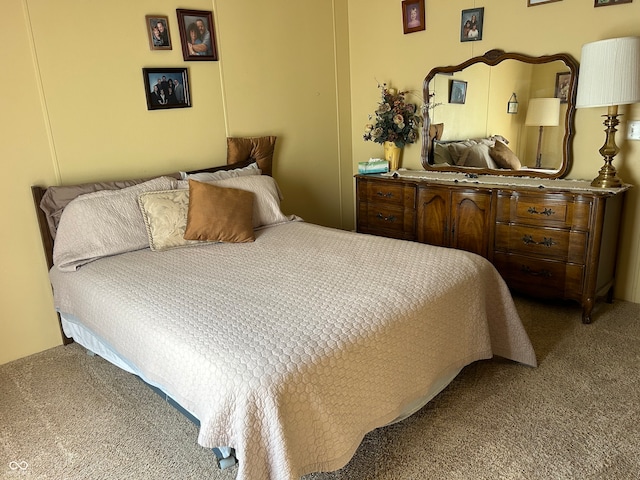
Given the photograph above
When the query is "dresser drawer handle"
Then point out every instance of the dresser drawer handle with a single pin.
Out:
(540, 273)
(547, 242)
(547, 211)
(390, 218)
(386, 195)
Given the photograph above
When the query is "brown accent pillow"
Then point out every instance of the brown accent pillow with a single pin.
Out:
(504, 157)
(258, 149)
(218, 214)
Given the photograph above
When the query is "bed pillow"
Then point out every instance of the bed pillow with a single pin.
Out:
(266, 205)
(504, 157)
(258, 149)
(441, 153)
(219, 214)
(456, 149)
(56, 198)
(477, 156)
(165, 218)
(103, 223)
(251, 169)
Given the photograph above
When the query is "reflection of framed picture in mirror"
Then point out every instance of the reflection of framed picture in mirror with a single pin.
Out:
(563, 80)
(606, 3)
(458, 91)
(471, 24)
(413, 15)
(533, 3)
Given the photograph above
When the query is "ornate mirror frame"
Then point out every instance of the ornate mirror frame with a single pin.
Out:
(493, 58)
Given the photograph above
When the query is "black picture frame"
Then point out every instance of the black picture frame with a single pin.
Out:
(158, 77)
(471, 24)
(413, 16)
(158, 32)
(458, 91)
(200, 24)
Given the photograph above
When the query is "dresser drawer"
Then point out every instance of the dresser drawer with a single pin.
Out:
(389, 221)
(540, 277)
(553, 243)
(388, 193)
(550, 210)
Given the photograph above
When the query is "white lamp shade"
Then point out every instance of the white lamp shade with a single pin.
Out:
(609, 73)
(543, 112)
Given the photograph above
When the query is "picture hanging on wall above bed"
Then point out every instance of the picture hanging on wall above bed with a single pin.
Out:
(197, 34)
(471, 25)
(158, 30)
(166, 88)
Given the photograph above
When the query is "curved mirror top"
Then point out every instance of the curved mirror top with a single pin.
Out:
(494, 97)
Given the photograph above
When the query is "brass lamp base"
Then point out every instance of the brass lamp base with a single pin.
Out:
(608, 177)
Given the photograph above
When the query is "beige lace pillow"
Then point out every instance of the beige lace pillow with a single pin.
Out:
(165, 216)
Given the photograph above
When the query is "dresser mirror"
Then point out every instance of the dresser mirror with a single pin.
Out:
(480, 117)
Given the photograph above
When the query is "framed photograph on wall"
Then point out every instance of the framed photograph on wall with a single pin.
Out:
(413, 15)
(533, 3)
(158, 31)
(606, 3)
(166, 88)
(471, 25)
(197, 34)
(563, 79)
(458, 91)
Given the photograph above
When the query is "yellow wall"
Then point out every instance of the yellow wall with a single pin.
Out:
(73, 107)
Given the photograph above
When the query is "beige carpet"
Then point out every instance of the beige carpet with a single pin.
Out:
(66, 415)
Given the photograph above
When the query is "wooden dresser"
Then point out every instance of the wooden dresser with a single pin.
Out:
(547, 238)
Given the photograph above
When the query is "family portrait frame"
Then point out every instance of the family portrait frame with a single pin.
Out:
(458, 91)
(158, 32)
(563, 81)
(413, 16)
(471, 24)
(608, 3)
(198, 36)
(166, 88)
(533, 3)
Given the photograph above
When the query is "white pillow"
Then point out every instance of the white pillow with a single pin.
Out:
(165, 217)
(103, 223)
(251, 169)
(266, 205)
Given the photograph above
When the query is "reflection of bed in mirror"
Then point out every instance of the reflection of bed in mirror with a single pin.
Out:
(480, 135)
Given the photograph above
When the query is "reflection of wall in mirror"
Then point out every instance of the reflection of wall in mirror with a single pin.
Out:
(484, 113)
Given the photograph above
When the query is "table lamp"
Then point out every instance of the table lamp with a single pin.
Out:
(609, 77)
(542, 112)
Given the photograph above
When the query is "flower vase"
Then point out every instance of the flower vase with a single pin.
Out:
(392, 154)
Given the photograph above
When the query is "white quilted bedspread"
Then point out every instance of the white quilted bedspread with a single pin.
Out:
(290, 349)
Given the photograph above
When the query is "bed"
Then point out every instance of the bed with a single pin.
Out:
(287, 341)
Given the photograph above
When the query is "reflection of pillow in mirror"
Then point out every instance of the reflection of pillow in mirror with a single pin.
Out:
(457, 148)
(504, 157)
(477, 156)
(441, 154)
